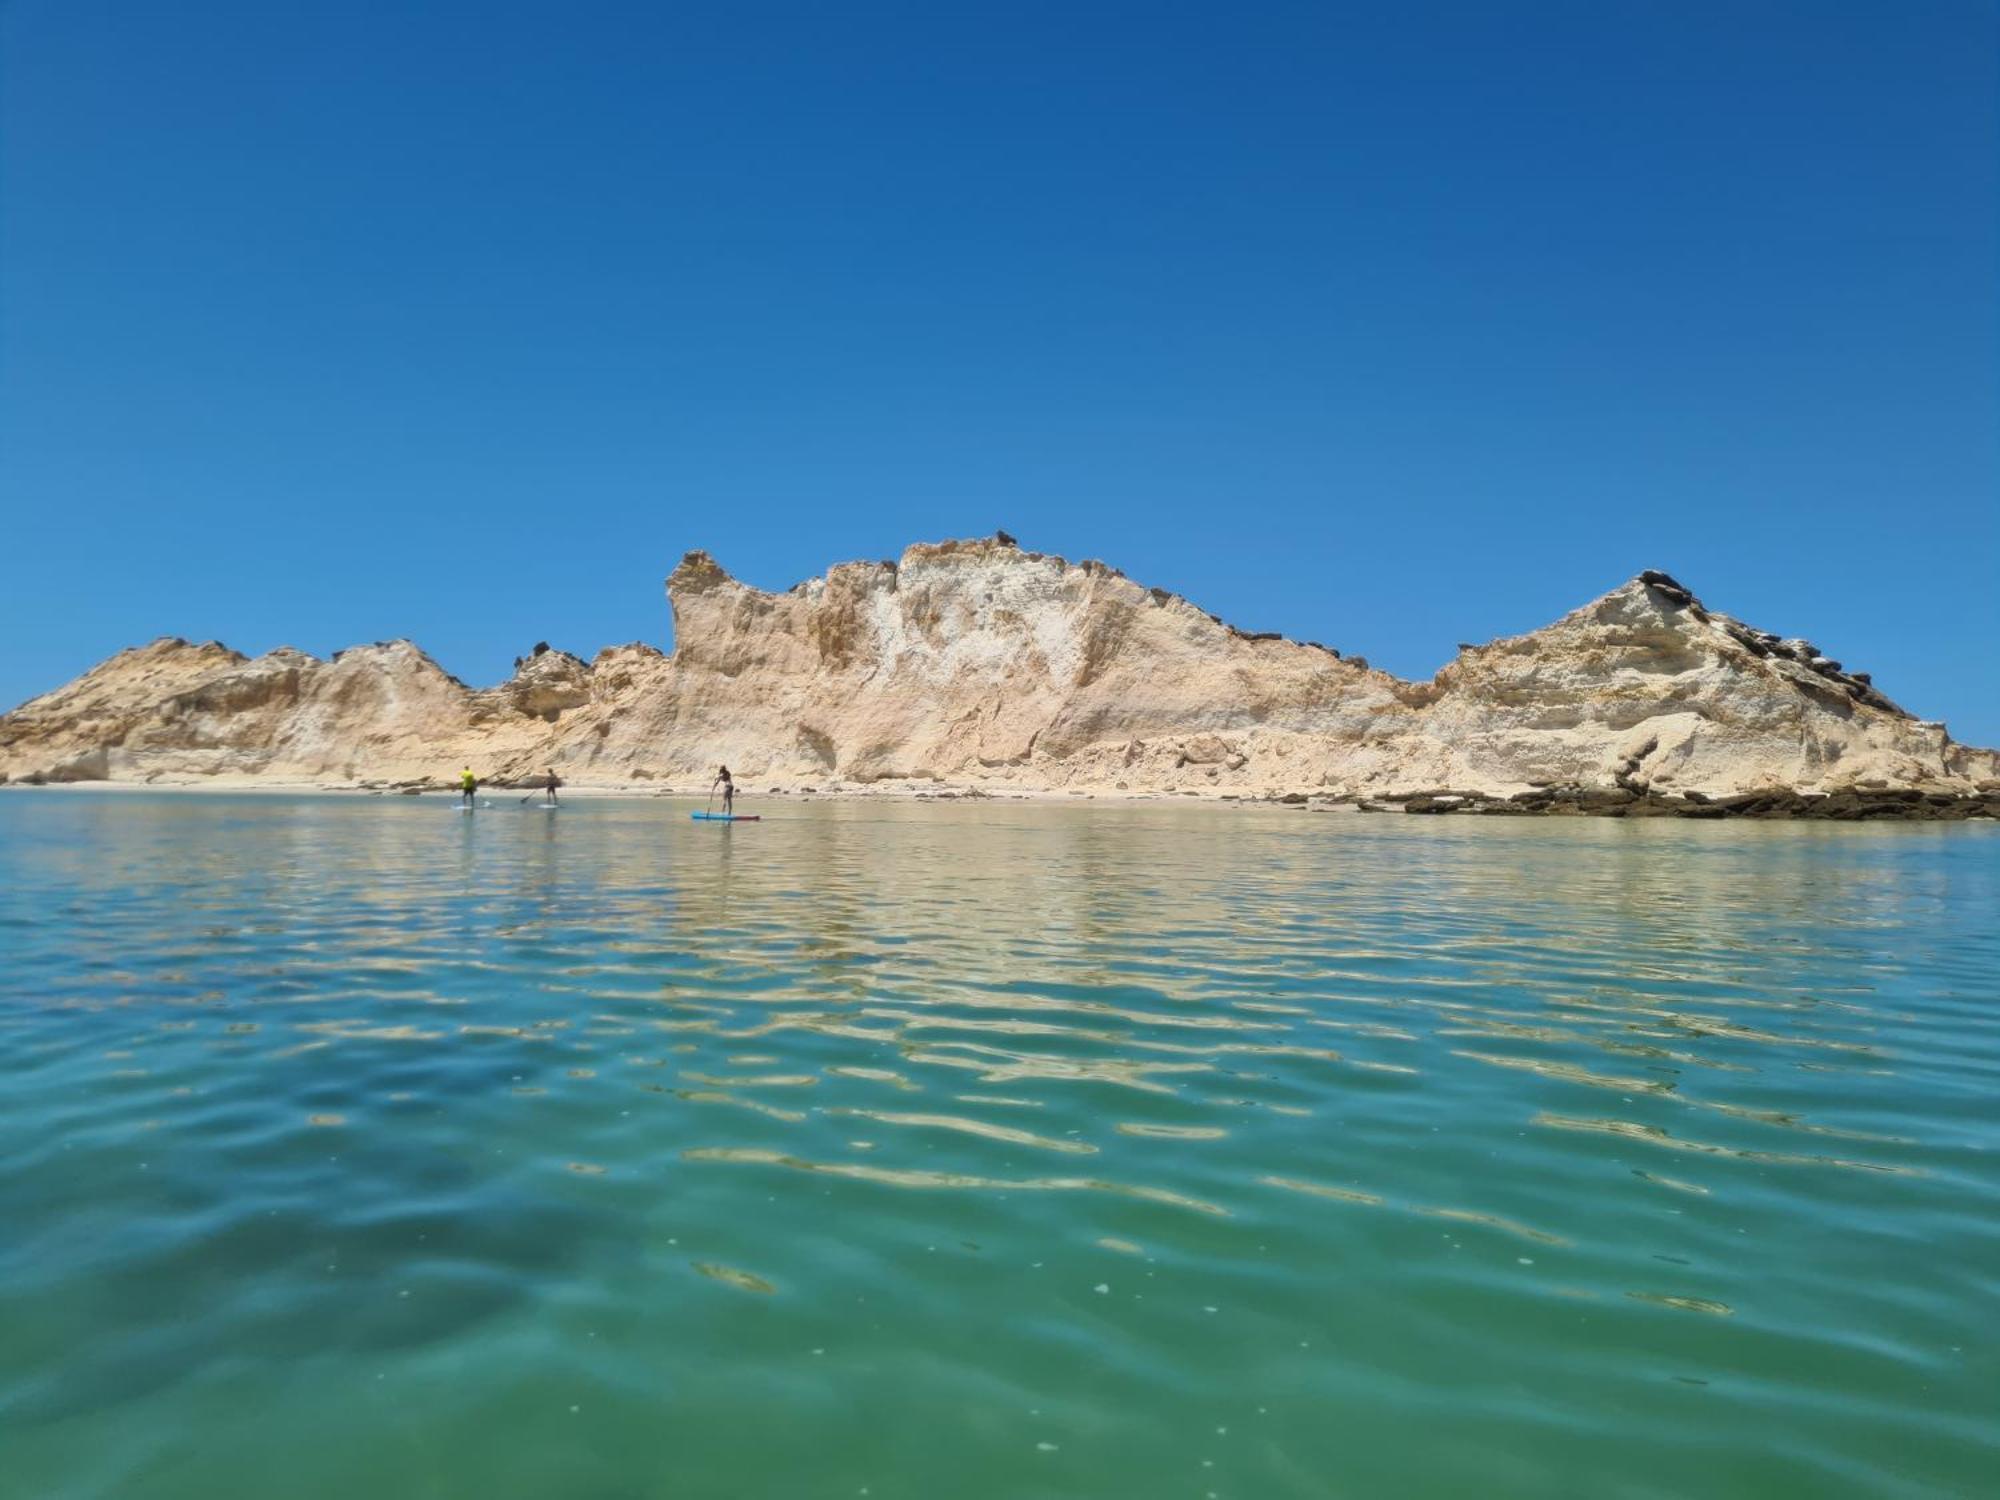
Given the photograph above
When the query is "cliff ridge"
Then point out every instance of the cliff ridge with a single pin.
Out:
(979, 664)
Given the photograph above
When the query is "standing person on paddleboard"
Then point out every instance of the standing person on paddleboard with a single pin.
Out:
(554, 782)
(722, 779)
(467, 785)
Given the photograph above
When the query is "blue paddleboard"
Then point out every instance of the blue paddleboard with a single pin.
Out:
(708, 817)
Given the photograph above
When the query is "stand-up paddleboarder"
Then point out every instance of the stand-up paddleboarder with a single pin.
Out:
(723, 780)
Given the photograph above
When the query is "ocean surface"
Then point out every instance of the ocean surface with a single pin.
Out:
(357, 1148)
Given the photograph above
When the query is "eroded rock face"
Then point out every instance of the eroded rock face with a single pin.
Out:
(976, 657)
(548, 682)
(978, 663)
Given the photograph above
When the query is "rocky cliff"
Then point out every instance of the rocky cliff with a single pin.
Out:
(976, 664)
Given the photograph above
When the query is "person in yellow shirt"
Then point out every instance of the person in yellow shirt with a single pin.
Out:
(467, 785)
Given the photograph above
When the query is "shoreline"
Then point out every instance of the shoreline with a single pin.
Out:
(1889, 804)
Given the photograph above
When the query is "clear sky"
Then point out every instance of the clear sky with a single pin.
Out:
(1388, 325)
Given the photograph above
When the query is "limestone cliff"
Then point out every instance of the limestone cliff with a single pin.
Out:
(978, 664)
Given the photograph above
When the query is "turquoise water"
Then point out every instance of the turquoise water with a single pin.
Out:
(355, 1147)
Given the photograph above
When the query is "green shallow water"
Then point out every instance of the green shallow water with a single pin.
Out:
(355, 1147)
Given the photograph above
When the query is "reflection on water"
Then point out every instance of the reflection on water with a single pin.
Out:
(990, 1150)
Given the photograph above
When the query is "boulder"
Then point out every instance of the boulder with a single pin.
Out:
(1207, 750)
(1433, 804)
(1666, 587)
(549, 683)
(1603, 798)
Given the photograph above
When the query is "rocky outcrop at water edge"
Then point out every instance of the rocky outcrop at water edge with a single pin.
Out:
(980, 666)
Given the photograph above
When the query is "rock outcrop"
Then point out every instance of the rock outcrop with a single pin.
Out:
(979, 664)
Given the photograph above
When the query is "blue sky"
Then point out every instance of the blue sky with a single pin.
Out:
(1390, 325)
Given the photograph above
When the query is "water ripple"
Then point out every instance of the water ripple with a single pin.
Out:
(606, 1153)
